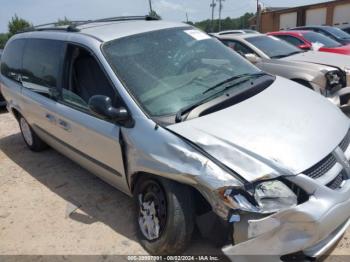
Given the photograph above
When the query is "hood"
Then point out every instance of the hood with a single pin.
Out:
(322, 58)
(285, 127)
(345, 49)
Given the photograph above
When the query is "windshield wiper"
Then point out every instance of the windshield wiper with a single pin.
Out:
(286, 55)
(231, 79)
(188, 108)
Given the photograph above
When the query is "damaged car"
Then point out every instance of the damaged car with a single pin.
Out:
(326, 73)
(198, 136)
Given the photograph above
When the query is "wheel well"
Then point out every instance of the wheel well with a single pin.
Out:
(303, 82)
(202, 206)
(16, 113)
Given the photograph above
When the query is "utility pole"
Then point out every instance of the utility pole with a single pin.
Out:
(187, 17)
(257, 16)
(150, 6)
(220, 10)
(212, 5)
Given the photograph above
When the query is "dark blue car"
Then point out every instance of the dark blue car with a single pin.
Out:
(332, 32)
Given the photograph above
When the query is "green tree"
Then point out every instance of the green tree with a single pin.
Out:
(64, 21)
(226, 24)
(3, 40)
(17, 24)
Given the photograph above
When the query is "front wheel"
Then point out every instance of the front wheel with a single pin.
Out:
(165, 215)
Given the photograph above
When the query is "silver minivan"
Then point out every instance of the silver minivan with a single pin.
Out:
(197, 135)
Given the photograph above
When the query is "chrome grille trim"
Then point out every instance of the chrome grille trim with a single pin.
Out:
(321, 167)
(344, 144)
(326, 164)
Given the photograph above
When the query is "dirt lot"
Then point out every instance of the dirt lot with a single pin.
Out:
(51, 206)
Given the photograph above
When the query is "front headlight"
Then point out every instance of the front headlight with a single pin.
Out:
(273, 196)
(265, 197)
(334, 79)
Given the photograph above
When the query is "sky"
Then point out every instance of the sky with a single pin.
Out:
(45, 11)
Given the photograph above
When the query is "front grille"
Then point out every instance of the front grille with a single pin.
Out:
(336, 182)
(345, 142)
(321, 167)
(328, 162)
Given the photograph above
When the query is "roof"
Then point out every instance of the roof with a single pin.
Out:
(286, 9)
(237, 36)
(107, 29)
(113, 30)
(311, 26)
(291, 32)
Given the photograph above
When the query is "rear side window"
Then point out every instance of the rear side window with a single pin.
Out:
(291, 39)
(11, 60)
(42, 61)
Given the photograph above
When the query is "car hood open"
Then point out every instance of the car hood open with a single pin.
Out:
(285, 127)
(322, 58)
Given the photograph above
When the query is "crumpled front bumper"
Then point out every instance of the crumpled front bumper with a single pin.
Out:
(312, 227)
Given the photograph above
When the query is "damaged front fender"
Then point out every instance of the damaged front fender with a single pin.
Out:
(161, 153)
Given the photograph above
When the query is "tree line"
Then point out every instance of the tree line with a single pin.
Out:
(17, 24)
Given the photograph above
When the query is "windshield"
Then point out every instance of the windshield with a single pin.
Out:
(273, 47)
(338, 32)
(170, 69)
(318, 38)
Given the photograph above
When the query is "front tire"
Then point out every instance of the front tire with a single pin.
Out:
(164, 215)
(31, 139)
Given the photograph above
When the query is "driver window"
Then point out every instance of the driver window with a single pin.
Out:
(84, 78)
(239, 47)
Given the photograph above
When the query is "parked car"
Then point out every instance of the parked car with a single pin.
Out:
(332, 32)
(2, 100)
(345, 28)
(309, 40)
(190, 129)
(240, 31)
(325, 73)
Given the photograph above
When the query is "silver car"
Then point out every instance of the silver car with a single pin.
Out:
(326, 73)
(196, 134)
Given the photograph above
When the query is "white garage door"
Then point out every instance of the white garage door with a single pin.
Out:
(316, 16)
(288, 20)
(341, 15)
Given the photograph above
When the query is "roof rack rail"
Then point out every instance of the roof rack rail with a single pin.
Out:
(73, 25)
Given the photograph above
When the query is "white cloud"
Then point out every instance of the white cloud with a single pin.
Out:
(162, 6)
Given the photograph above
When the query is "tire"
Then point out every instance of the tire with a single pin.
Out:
(31, 139)
(176, 225)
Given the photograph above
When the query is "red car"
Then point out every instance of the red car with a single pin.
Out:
(308, 40)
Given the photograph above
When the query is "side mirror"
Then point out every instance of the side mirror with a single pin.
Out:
(102, 107)
(304, 47)
(253, 58)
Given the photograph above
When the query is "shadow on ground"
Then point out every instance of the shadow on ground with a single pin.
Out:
(97, 200)
(3, 110)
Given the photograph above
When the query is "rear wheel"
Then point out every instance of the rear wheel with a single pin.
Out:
(30, 138)
(165, 215)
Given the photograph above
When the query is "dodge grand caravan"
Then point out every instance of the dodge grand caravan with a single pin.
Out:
(196, 134)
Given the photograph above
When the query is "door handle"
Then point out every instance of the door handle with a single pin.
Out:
(63, 124)
(51, 118)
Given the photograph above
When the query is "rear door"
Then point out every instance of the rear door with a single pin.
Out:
(11, 67)
(91, 142)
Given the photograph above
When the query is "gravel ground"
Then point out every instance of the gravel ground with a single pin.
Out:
(51, 206)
